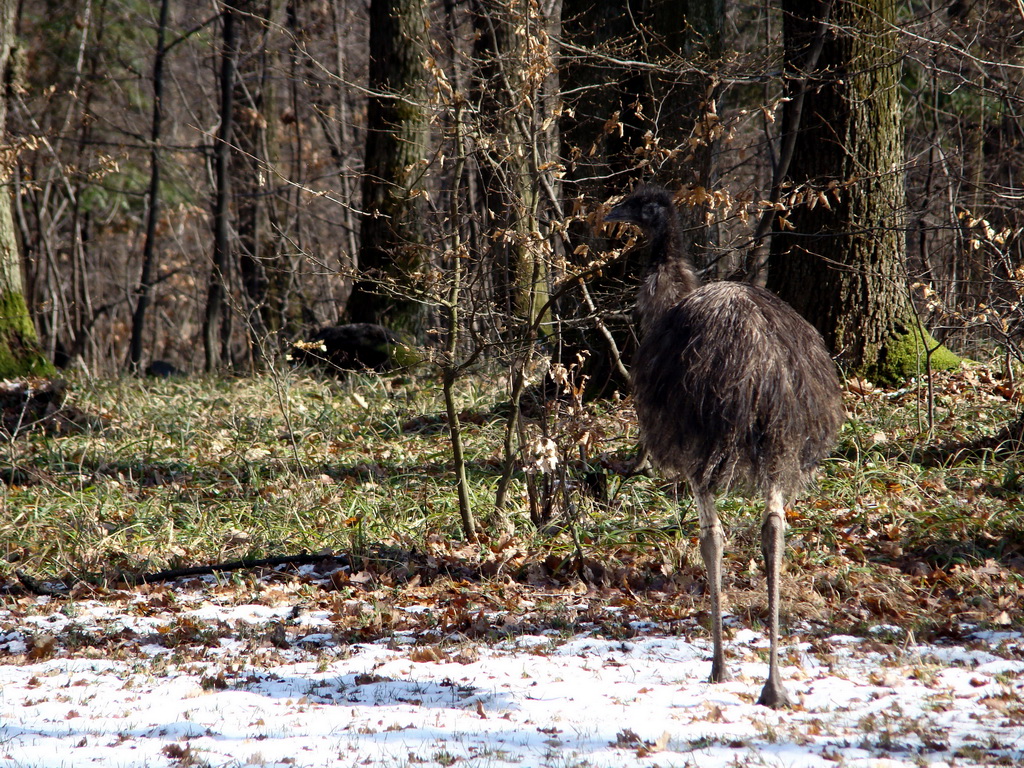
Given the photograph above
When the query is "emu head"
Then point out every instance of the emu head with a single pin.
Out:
(653, 210)
(648, 207)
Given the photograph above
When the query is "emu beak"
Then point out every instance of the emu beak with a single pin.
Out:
(618, 213)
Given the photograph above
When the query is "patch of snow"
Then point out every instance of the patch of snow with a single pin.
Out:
(538, 700)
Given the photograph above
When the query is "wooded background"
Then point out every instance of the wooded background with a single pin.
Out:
(203, 182)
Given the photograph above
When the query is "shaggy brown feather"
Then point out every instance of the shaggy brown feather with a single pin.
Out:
(733, 387)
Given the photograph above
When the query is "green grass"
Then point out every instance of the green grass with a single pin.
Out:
(903, 526)
(191, 471)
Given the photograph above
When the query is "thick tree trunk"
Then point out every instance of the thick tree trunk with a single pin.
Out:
(19, 349)
(839, 254)
(392, 247)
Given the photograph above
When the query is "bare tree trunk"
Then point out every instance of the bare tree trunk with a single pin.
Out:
(248, 176)
(331, 108)
(344, 138)
(256, 135)
(143, 292)
(516, 94)
(215, 297)
(450, 368)
(392, 248)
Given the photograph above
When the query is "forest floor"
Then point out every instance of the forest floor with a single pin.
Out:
(397, 643)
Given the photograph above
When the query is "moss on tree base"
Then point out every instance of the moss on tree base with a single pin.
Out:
(19, 352)
(906, 356)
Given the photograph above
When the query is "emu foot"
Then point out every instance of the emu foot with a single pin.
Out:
(774, 695)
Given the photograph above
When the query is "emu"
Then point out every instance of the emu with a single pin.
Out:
(732, 388)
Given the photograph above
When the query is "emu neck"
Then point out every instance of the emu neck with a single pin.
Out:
(670, 276)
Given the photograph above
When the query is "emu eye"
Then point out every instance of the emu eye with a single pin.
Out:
(650, 211)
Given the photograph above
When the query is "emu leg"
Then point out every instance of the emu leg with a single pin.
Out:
(712, 540)
(773, 543)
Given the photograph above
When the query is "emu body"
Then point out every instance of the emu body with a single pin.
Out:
(732, 388)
